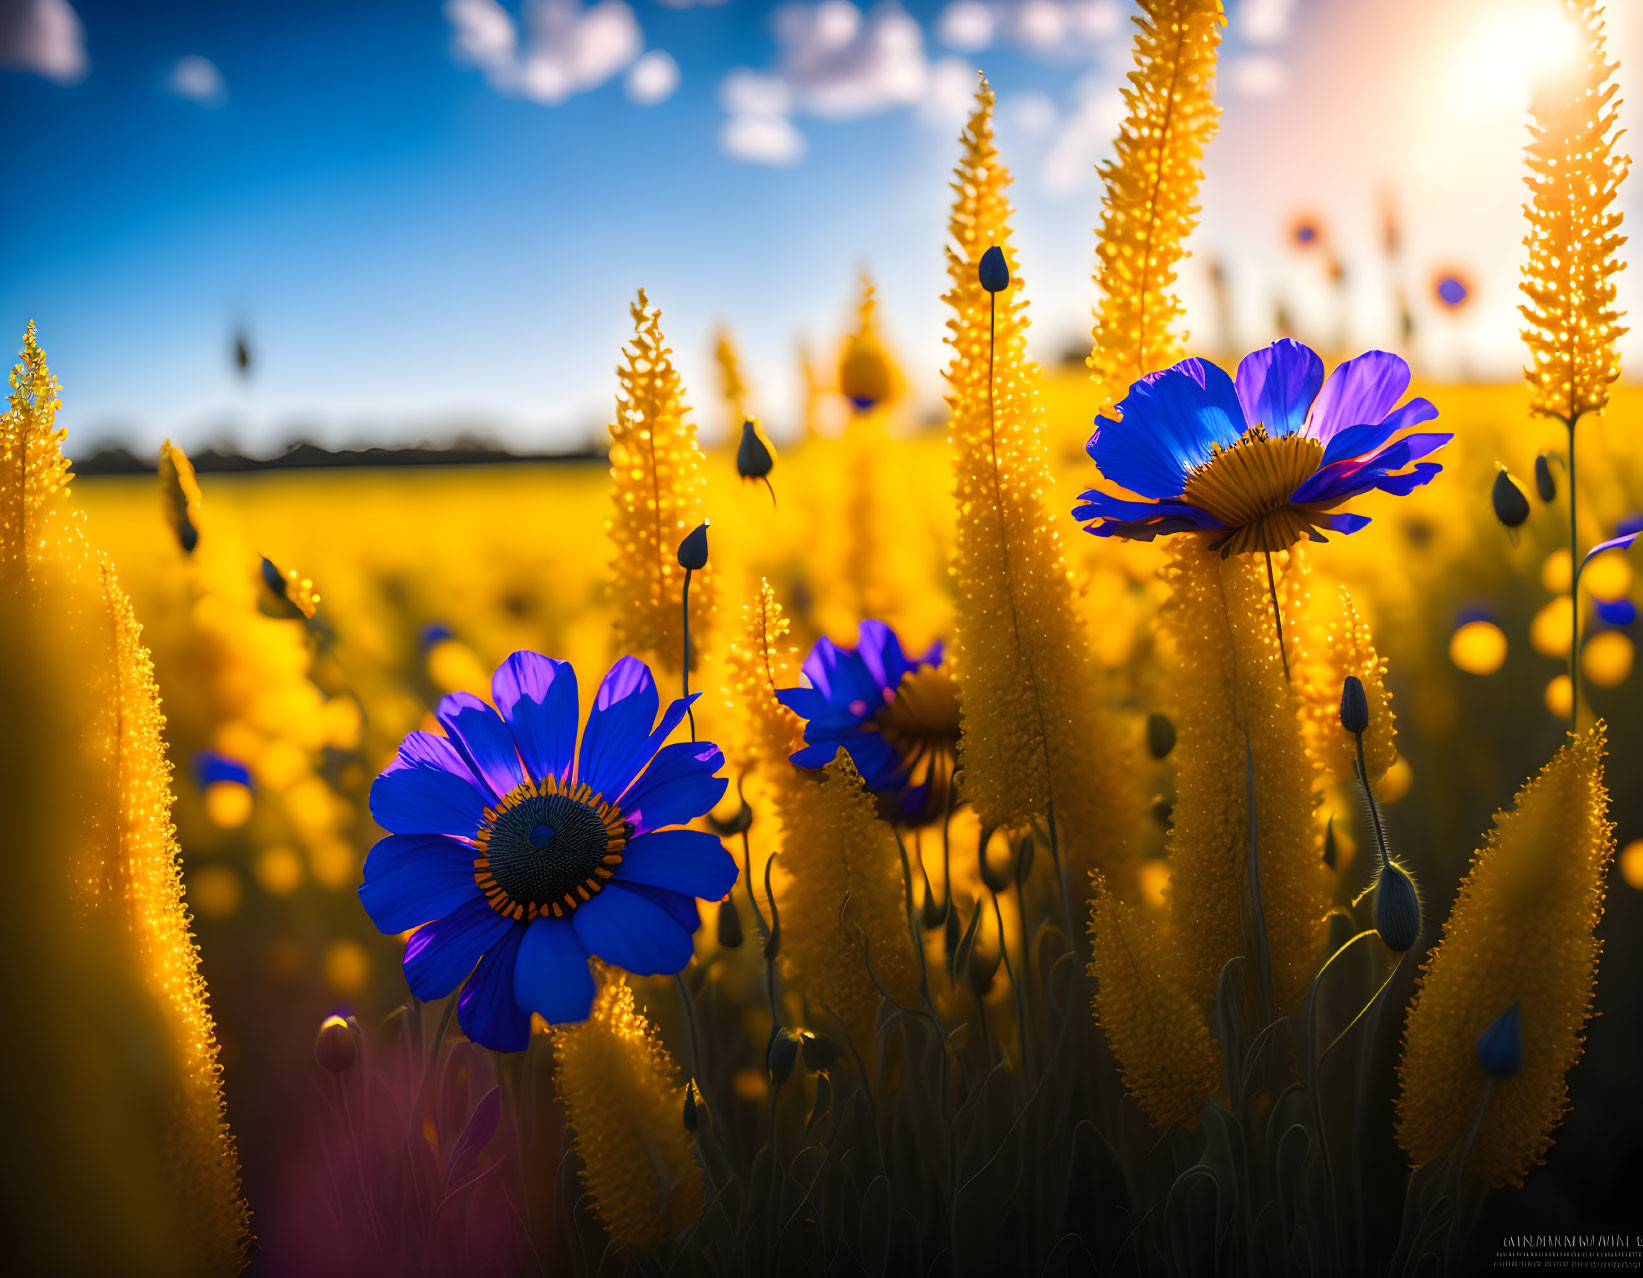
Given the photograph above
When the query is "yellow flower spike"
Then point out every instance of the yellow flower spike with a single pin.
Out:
(1327, 641)
(1574, 238)
(868, 377)
(657, 487)
(138, 1125)
(623, 1099)
(840, 894)
(732, 386)
(1036, 736)
(759, 663)
(1228, 679)
(1169, 1061)
(1521, 931)
(1152, 192)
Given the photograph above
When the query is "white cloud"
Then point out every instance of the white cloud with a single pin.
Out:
(1084, 136)
(692, 4)
(951, 94)
(965, 24)
(761, 139)
(653, 78)
(45, 37)
(1256, 75)
(752, 93)
(557, 47)
(1264, 21)
(1032, 112)
(198, 78)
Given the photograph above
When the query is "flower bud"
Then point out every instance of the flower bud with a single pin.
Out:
(1331, 853)
(1500, 1047)
(784, 1051)
(693, 549)
(692, 1118)
(1511, 506)
(753, 459)
(818, 1050)
(996, 878)
(1545, 481)
(730, 924)
(1397, 909)
(994, 272)
(336, 1046)
(983, 970)
(1160, 736)
(1354, 706)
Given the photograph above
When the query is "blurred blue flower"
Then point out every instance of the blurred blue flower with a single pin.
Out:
(896, 717)
(523, 855)
(1265, 460)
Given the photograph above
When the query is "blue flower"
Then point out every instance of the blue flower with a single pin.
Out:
(517, 855)
(896, 717)
(1264, 461)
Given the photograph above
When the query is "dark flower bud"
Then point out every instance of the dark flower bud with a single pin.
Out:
(996, 878)
(818, 1050)
(272, 577)
(336, 1046)
(952, 937)
(693, 549)
(1162, 811)
(1397, 909)
(753, 459)
(1023, 858)
(730, 924)
(740, 823)
(784, 1051)
(1330, 852)
(692, 1118)
(983, 969)
(1160, 736)
(1354, 706)
(1511, 506)
(1545, 481)
(995, 271)
(1500, 1047)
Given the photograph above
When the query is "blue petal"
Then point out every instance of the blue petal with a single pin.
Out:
(429, 749)
(438, 956)
(1276, 385)
(487, 1011)
(881, 654)
(426, 800)
(1100, 505)
(1358, 441)
(807, 703)
(633, 932)
(824, 747)
(411, 878)
(671, 718)
(1344, 522)
(483, 739)
(1359, 475)
(818, 665)
(537, 696)
(1403, 485)
(623, 711)
(843, 677)
(677, 787)
(1360, 391)
(551, 974)
(881, 767)
(692, 862)
(681, 907)
(1170, 420)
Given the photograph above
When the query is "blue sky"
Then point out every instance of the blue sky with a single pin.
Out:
(437, 213)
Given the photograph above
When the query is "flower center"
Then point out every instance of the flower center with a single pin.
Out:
(545, 849)
(1249, 485)
(921, 724)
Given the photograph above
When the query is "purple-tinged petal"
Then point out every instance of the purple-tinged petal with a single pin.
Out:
(1344, 522)
(809, 703)
(1614, 543)
(1276, 385)
(671, 718)
(630, 930)
(412, 878)
(843, 678)
(551, 975)
(692, 862)
(478, 732)
(818, 665)
(1100, 505)
(427, 800)
(1360, 441)
(881, 653)
(1170, 421)
(677, 787)
(1358, 475)
(1359, 391)
(487, 1011)
(439, 955)
(624, 710)
(1403, 485)
(537, 697)
(429, 749)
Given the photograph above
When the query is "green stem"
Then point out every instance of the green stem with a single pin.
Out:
(1277, 615)
(690, 713)
(1574, 588)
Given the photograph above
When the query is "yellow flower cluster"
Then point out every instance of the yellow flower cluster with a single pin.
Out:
(1520, 932)
(1152, 191)
(624, 1098)
(1037, 740)
(1574, 232)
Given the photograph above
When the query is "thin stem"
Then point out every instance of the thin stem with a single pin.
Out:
(690, 1023)
(1374, 809)
(1574, 588)
(689, 713)
(1277, 614)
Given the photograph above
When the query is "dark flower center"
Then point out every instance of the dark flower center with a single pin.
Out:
(546, 851)
(921, 723)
